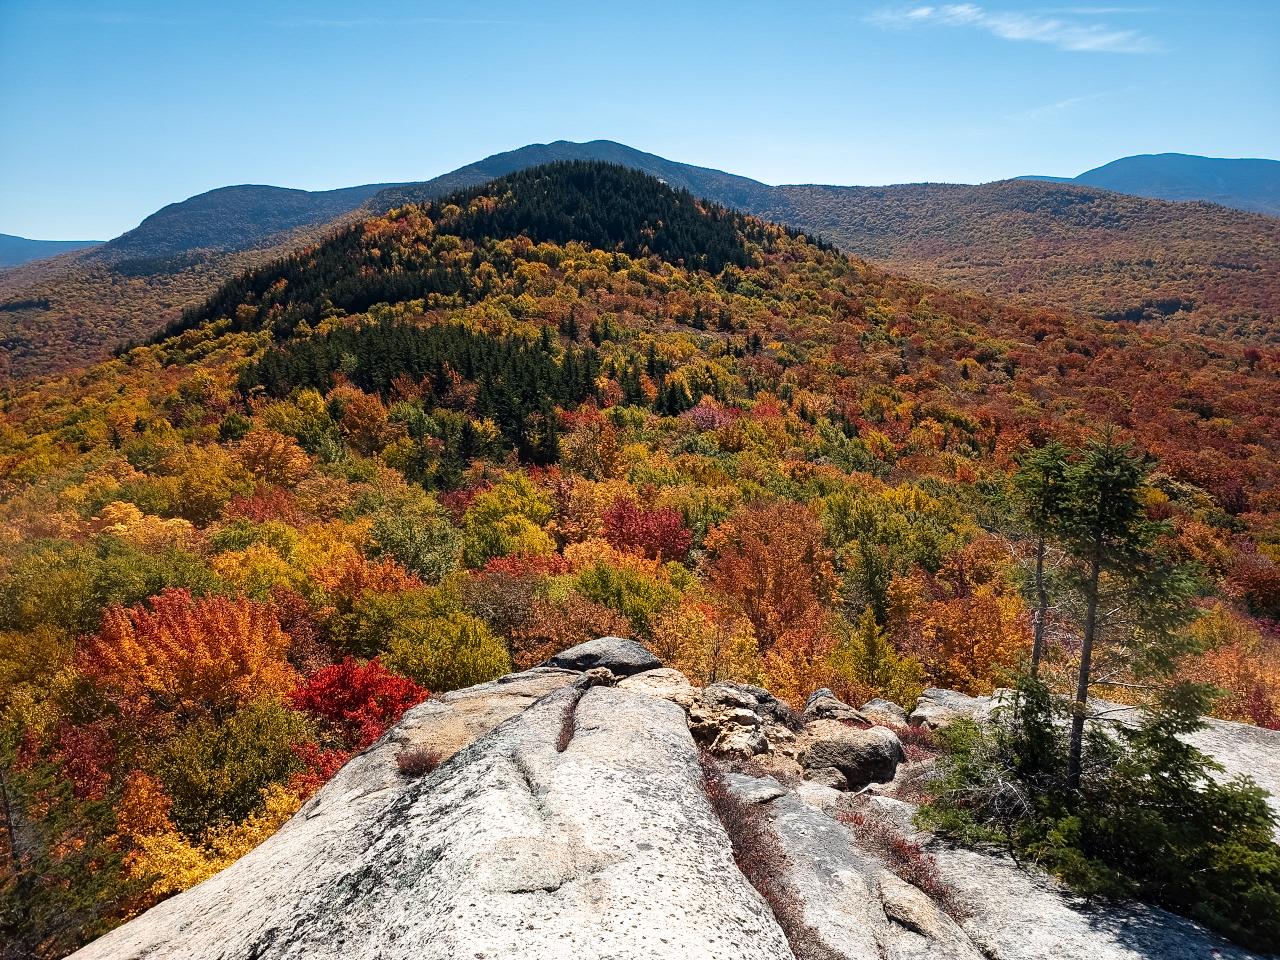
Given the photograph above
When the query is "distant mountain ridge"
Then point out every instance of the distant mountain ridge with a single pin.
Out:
(15, 251)
(1065, 245)
(233, 218)
(1249, 184)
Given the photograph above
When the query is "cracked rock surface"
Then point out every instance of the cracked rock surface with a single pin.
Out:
(509, 849)
(857, 908)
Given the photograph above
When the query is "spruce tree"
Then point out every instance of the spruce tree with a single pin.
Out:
(1102, 525)
(1042, 490)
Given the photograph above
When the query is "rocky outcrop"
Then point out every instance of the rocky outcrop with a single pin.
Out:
(664, 683)
(727, 720)
(936, 708)
(620, 657)
(569, 820)
(884, 711)
(511, 849)
(857, 908)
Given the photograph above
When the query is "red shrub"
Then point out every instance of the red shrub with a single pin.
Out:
(321, 765)
(657, 534)
(361, 701)
(417, 761)
(1255, 577)
(762, 860)
(519, 565)
(1261, 709)
(908, 860)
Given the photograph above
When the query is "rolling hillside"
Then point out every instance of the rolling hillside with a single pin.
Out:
(1186, 266)
(15, 251)
(1194, 266)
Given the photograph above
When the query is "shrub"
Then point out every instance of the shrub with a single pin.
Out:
(359, 701)
(417, 761)
(905, 858)
(213, 771)
(425, 635)
(762, 860)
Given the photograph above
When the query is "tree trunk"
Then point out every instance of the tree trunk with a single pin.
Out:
(1075, 759)
(1042, 597)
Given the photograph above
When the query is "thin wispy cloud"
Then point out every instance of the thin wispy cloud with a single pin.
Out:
(1063, 33)
(1039, 113)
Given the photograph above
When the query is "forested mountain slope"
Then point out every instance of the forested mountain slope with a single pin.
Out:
(1192, 267)
(574, 402)
(1185, 266)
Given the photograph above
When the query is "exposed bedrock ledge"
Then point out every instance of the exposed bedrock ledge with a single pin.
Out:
(509, 849)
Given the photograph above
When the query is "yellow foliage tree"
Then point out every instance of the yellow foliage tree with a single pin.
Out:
(177, 864)
(706, 643)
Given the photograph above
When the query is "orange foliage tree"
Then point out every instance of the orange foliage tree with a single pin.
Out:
(772, 562)
(188, 656)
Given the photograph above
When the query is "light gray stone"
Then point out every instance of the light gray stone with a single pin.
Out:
(754, 789)
(510, 849)
(665, 683)
(1020, 914)
(622, 657)
(819, 795)
(855, 906)
(825, 705)
(884, 710)
(937, 708)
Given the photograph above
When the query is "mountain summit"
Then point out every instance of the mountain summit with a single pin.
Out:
(1252, 185)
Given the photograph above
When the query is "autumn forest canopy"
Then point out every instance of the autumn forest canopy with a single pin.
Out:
(451, 441)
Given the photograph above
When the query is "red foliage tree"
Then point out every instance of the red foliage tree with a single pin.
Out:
(657, 534)
(86, 755)
(267, 503)
(359, 700)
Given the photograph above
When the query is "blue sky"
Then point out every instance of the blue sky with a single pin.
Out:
(109, 110)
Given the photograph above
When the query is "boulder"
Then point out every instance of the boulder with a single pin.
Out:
(725, 718)
(824, 705)
(937, 708)
(770, 708)
(664, 683)
(884, 711)
(849, 758)
(622, 658)
(510, 849)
